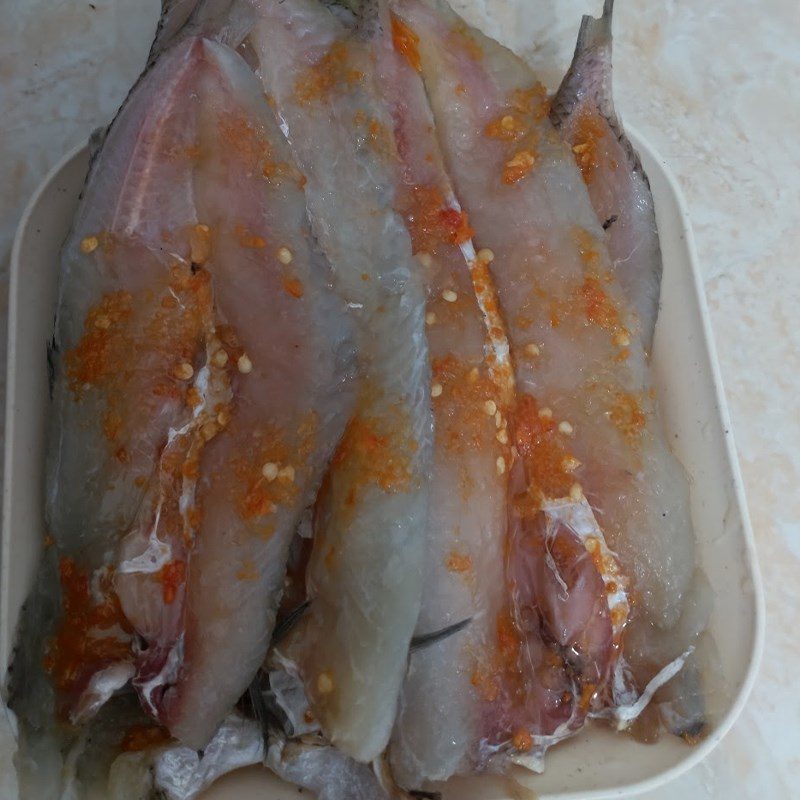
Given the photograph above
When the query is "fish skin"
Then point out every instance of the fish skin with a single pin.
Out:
(583, 112)
(366, 570)
(32, 699)
(298, 752)
(528, 203)
(175, 772)
(327, 772)
(181, 773)
(126, 319)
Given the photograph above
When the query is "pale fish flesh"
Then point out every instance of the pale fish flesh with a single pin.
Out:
(365, 575)
(199, 351)
(583, 111)
(584, 423)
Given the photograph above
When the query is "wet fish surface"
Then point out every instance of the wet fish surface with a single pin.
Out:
(203, 382)
(366, 569)
(582, 391)
(583, 112)
(356, 469)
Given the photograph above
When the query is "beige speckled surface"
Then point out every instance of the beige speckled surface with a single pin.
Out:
(715, 87)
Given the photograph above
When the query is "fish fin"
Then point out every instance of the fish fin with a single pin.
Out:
(174, 16)
(283, 628)
(52, 360)
(387, 782)
(96, 139)
(596, 31)
(256, 704)
(427, 639)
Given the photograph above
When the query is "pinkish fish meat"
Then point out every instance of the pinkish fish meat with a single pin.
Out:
(365, 574)
(583, 111)
(201, 386)
(285, 338)
(595, 468)
(353, 331)
(438, 720)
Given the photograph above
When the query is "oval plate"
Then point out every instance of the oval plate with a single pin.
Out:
(595, 764)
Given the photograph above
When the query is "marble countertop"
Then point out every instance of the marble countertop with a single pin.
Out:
(715, 87)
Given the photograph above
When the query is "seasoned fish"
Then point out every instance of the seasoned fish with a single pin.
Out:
(583, 111)
(365, 574)
(585, 423)
(353, 331)
(440, 717)
(289, 405)
(202, 383)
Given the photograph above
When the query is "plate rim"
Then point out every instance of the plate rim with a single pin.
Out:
(694, 755)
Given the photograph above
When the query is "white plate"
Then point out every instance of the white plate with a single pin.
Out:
(595, 764)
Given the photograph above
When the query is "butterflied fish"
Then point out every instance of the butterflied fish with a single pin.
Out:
(584, 422)
(201, 386)
(364, 578)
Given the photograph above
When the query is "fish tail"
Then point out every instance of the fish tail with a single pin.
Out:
(589, 74)
(596, 31)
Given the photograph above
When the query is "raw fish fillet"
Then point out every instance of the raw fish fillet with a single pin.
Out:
(382, 305)
(467, 511)
(289, 341)
(596, 467)
(202, 381)
(583, 111)
(440, 716)
(365, 575)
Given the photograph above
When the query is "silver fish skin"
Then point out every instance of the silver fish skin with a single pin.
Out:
(366, 571)
(583, 112)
